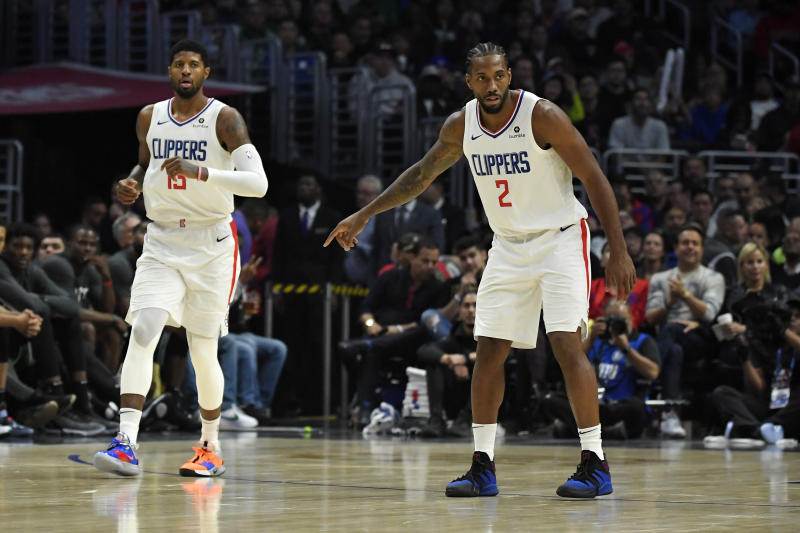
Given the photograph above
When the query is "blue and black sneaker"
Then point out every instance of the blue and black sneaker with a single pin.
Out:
(480, 479)
(591, 479)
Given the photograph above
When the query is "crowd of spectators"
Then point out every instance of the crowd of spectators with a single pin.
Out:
(713, 315)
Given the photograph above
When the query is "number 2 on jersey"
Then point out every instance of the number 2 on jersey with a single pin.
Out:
(176, 182)
(504, 185)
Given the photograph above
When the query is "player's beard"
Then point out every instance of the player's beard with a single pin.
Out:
(186, 92)
(494, 110)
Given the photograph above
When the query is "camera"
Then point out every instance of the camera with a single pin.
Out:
(615, 325)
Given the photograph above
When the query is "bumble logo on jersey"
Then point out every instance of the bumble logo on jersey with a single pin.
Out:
(500, 164)
(189, 150)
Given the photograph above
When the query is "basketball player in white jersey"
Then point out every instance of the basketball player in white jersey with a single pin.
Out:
(522, 151)
(194, 155)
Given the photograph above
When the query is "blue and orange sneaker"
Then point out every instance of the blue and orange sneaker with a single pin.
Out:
(592, 478)
(119, 458)
(480, 479)
(206, 461)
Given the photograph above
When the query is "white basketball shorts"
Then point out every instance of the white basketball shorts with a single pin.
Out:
(548, 269)
(190, 272)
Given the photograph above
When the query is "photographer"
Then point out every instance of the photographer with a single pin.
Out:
(623, 356)
(769, 406)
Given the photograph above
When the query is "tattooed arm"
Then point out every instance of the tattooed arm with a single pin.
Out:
(442, 155)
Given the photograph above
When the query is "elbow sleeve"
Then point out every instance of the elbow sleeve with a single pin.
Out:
(249, 178)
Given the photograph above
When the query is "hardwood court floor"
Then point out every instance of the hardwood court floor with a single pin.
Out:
(320, 484)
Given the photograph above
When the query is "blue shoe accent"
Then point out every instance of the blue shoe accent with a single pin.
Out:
(480, 479)
(120, 457)
(771, 433)
(592, 478)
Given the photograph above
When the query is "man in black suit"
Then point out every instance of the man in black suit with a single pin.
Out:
(299, 257)
(453, 219)
(415, 216)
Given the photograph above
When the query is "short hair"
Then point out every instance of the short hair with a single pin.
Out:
(90, 201)
(75, 228)
(54, 235)
(22, 229)
(468, 241)
(698, 191)
(727, 215)
(482, 50)
(638, 90)
(189, 45)
(414, 242)
(746, 250)
(119, 224)
(692, 226)
(373, 179)
(635, 230)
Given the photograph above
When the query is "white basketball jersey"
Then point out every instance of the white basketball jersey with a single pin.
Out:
(524, 189)
(168, 200)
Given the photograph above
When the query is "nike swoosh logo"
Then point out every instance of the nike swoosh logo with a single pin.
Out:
(223, 238)
(565, 228)
(160, 123)
(476, 136)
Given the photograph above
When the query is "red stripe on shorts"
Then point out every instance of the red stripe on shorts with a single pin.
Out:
(584, 235)
(235, 258)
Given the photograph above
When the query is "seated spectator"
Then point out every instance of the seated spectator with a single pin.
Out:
(754, 288)
(616, 93)
(639, 129)
(634, 240)
(448, 364)
(641, 212)
(679, 301)
(701, 209)
(27, 324)
(415, 216)
(707, 118)
(776, 125)
(472, 255)
(24, 285)
(600, 294)
(623, 356)
(122, 267)
(52, 243)
(357, 262)
(123, 227)
(43, 224)
(84, 274)
(788, 273)
(695, 173)
(656, 198)
(757, 232)
(390, 317)
(653, 256)
(676, 218)
(760, 410)
(720, 251)
(763, 100)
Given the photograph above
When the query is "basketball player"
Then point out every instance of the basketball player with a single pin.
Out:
(194, 155)
(522, 151)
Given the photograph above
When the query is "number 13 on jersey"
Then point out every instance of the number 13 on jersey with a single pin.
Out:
(503, 184)
(176, 182)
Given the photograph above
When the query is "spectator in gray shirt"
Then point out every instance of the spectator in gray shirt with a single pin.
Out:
(679, 301)
(639, 129)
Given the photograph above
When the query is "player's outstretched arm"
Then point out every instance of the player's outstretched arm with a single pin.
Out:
(129, 189)
(415, 179)
(551, 125)
(249, 178)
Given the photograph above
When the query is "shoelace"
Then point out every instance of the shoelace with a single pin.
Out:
(580, 474)
(201, 453)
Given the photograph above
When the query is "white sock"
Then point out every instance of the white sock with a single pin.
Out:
(129, 419)
(210, 431)
(590, 440)
(484, 438)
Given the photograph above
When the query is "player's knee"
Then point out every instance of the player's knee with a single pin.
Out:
(147, 325)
